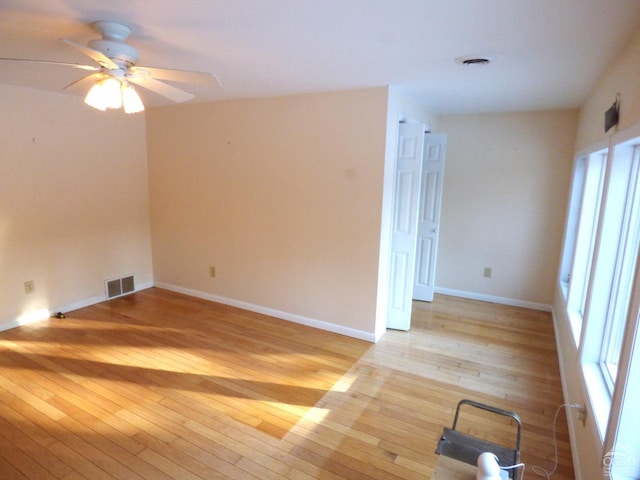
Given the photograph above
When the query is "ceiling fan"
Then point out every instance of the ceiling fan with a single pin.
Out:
(110, 83)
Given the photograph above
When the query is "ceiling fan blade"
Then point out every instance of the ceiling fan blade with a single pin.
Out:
(162, 88)
(97, 56)
(173, 75)
(46, 62)
(82, 85)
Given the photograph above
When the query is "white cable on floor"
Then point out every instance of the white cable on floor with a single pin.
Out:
(541, 472)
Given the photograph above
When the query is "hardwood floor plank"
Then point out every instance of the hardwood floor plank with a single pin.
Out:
(23, 395)
(9, 471)
(158, 386)
(169, 467)
(84, 467)
(22, 438)
(227, 467)
(74, 476)
(23, 462)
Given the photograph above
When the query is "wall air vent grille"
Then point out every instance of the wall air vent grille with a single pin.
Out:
(475, 60)
(117, 287)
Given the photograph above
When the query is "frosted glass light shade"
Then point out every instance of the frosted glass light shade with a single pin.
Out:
(111, 89)
(131, 101)
(113, 93)
(96, 98)
(105, 94)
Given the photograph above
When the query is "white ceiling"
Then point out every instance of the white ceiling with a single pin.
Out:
(546, 53)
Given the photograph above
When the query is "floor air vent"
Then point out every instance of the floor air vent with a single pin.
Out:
(118, 287)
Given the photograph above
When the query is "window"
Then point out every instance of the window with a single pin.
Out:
(623, 442)
(603, 239)
(575, 203)
(584, 209)
(618, 253)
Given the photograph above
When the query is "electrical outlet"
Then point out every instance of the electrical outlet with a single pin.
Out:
(29, 287)
(212, 272)
(487, 272)
(582, 415)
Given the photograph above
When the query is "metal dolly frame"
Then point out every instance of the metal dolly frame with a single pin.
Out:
(466, 448)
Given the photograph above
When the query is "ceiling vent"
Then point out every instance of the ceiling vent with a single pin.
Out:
(476, 60)
(117, 287)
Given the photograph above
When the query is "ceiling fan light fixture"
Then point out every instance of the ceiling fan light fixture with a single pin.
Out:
(113, 93)
(105, 94)
(116, 65)
(131, 101)
(111, 89)
(96, 98)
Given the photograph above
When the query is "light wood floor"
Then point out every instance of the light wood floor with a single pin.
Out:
(159, 385)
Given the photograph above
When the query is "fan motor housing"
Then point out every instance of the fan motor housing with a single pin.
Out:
(117, 51)
(112, 42)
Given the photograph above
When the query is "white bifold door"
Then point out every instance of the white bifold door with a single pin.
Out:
(429, 216)
(416, 217)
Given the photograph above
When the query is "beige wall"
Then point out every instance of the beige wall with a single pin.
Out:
(282, 195)
(73, 201)
(505, 189)
(623, 77)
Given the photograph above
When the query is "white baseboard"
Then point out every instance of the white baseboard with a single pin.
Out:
(26, 319)
(44, 313)
(493, 299)
(291, 317)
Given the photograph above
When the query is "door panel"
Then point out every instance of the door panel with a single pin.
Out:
(399, 266)
(405, 221)
(429, 216)
(425, 250)
(407, 187)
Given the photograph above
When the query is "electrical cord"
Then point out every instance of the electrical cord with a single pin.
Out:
(541, 472)
(517, 465)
